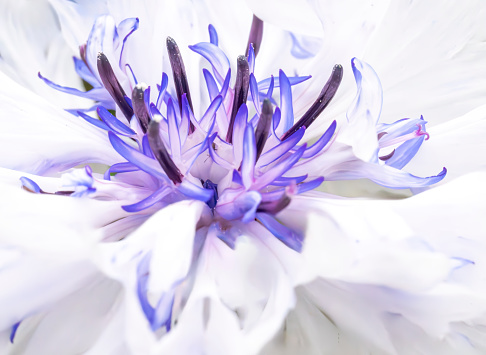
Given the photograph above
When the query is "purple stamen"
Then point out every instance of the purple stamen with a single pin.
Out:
(325, 97)
(111, 84)
(161, 154)
(388, 156)
(256, 35)
(139, 107)
(241, 92)
(179, 74)
(274, 206)
(380, 135)
(263, 127)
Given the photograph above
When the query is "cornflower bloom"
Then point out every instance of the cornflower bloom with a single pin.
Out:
(202, 230)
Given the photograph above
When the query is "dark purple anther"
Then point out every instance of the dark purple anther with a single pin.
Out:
(139, 107)
(82, 54)
(263, 127)
(256, 35)
(179, 74)
(161, 154)
(274, 206)
(380, 135)
(112, 85)
(208, 184)
(241, 92)
(388, 156)
(326, 95)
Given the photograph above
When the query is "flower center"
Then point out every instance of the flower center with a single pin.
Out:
(238, 157)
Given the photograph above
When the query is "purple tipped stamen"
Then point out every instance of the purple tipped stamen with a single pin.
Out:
(111, 84)
(274, 206)
(139, 107)
(256, 35)
(263, 127)
(388, 156)
(161, 154)
(324, 98)
(241, 92)
(179, 74)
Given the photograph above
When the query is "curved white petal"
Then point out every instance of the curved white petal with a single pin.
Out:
(457, 145)
(30, 42)
(46, 243)
(238, 302)
(416, 263)
(429, 59)
(40, 138)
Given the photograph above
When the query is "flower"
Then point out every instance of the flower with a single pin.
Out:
(203, 223)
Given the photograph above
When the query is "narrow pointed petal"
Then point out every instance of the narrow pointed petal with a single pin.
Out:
(287, 236)
(113, 123)
(136, 158)
(279, 150)
(286, 107)
(249, 157)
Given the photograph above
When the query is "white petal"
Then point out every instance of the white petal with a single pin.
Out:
(241, 293)
(456, 145)
(429, 59)
(431, 272)
(30, 42)
(39, 138)
(46, 245)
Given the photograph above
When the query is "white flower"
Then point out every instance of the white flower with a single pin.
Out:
(203, 234)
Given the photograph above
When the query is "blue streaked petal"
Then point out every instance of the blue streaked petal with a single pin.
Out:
(114, 123)
(286, 108)
(251, 59)
(207, 118)
(280, 149)
(286, 235)
(30, 185)
(14, 331)
(210, 84)
(119, 168)
(255, 97)
(279, 169)
(215, 157)
(294, 80)
(162, 89)
(125, 29)
(249, 156)
(242, 207)
(190, 190)
(383, 175)
(309, 185)
(148, 201)
(146, 164)
(405, 152)
(94, 121)
(174, 138)
(321, 142)
(213, 35)
(85, 73)
(285, 181)
(215, 56)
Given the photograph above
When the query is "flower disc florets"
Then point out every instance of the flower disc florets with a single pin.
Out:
(243, 156)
